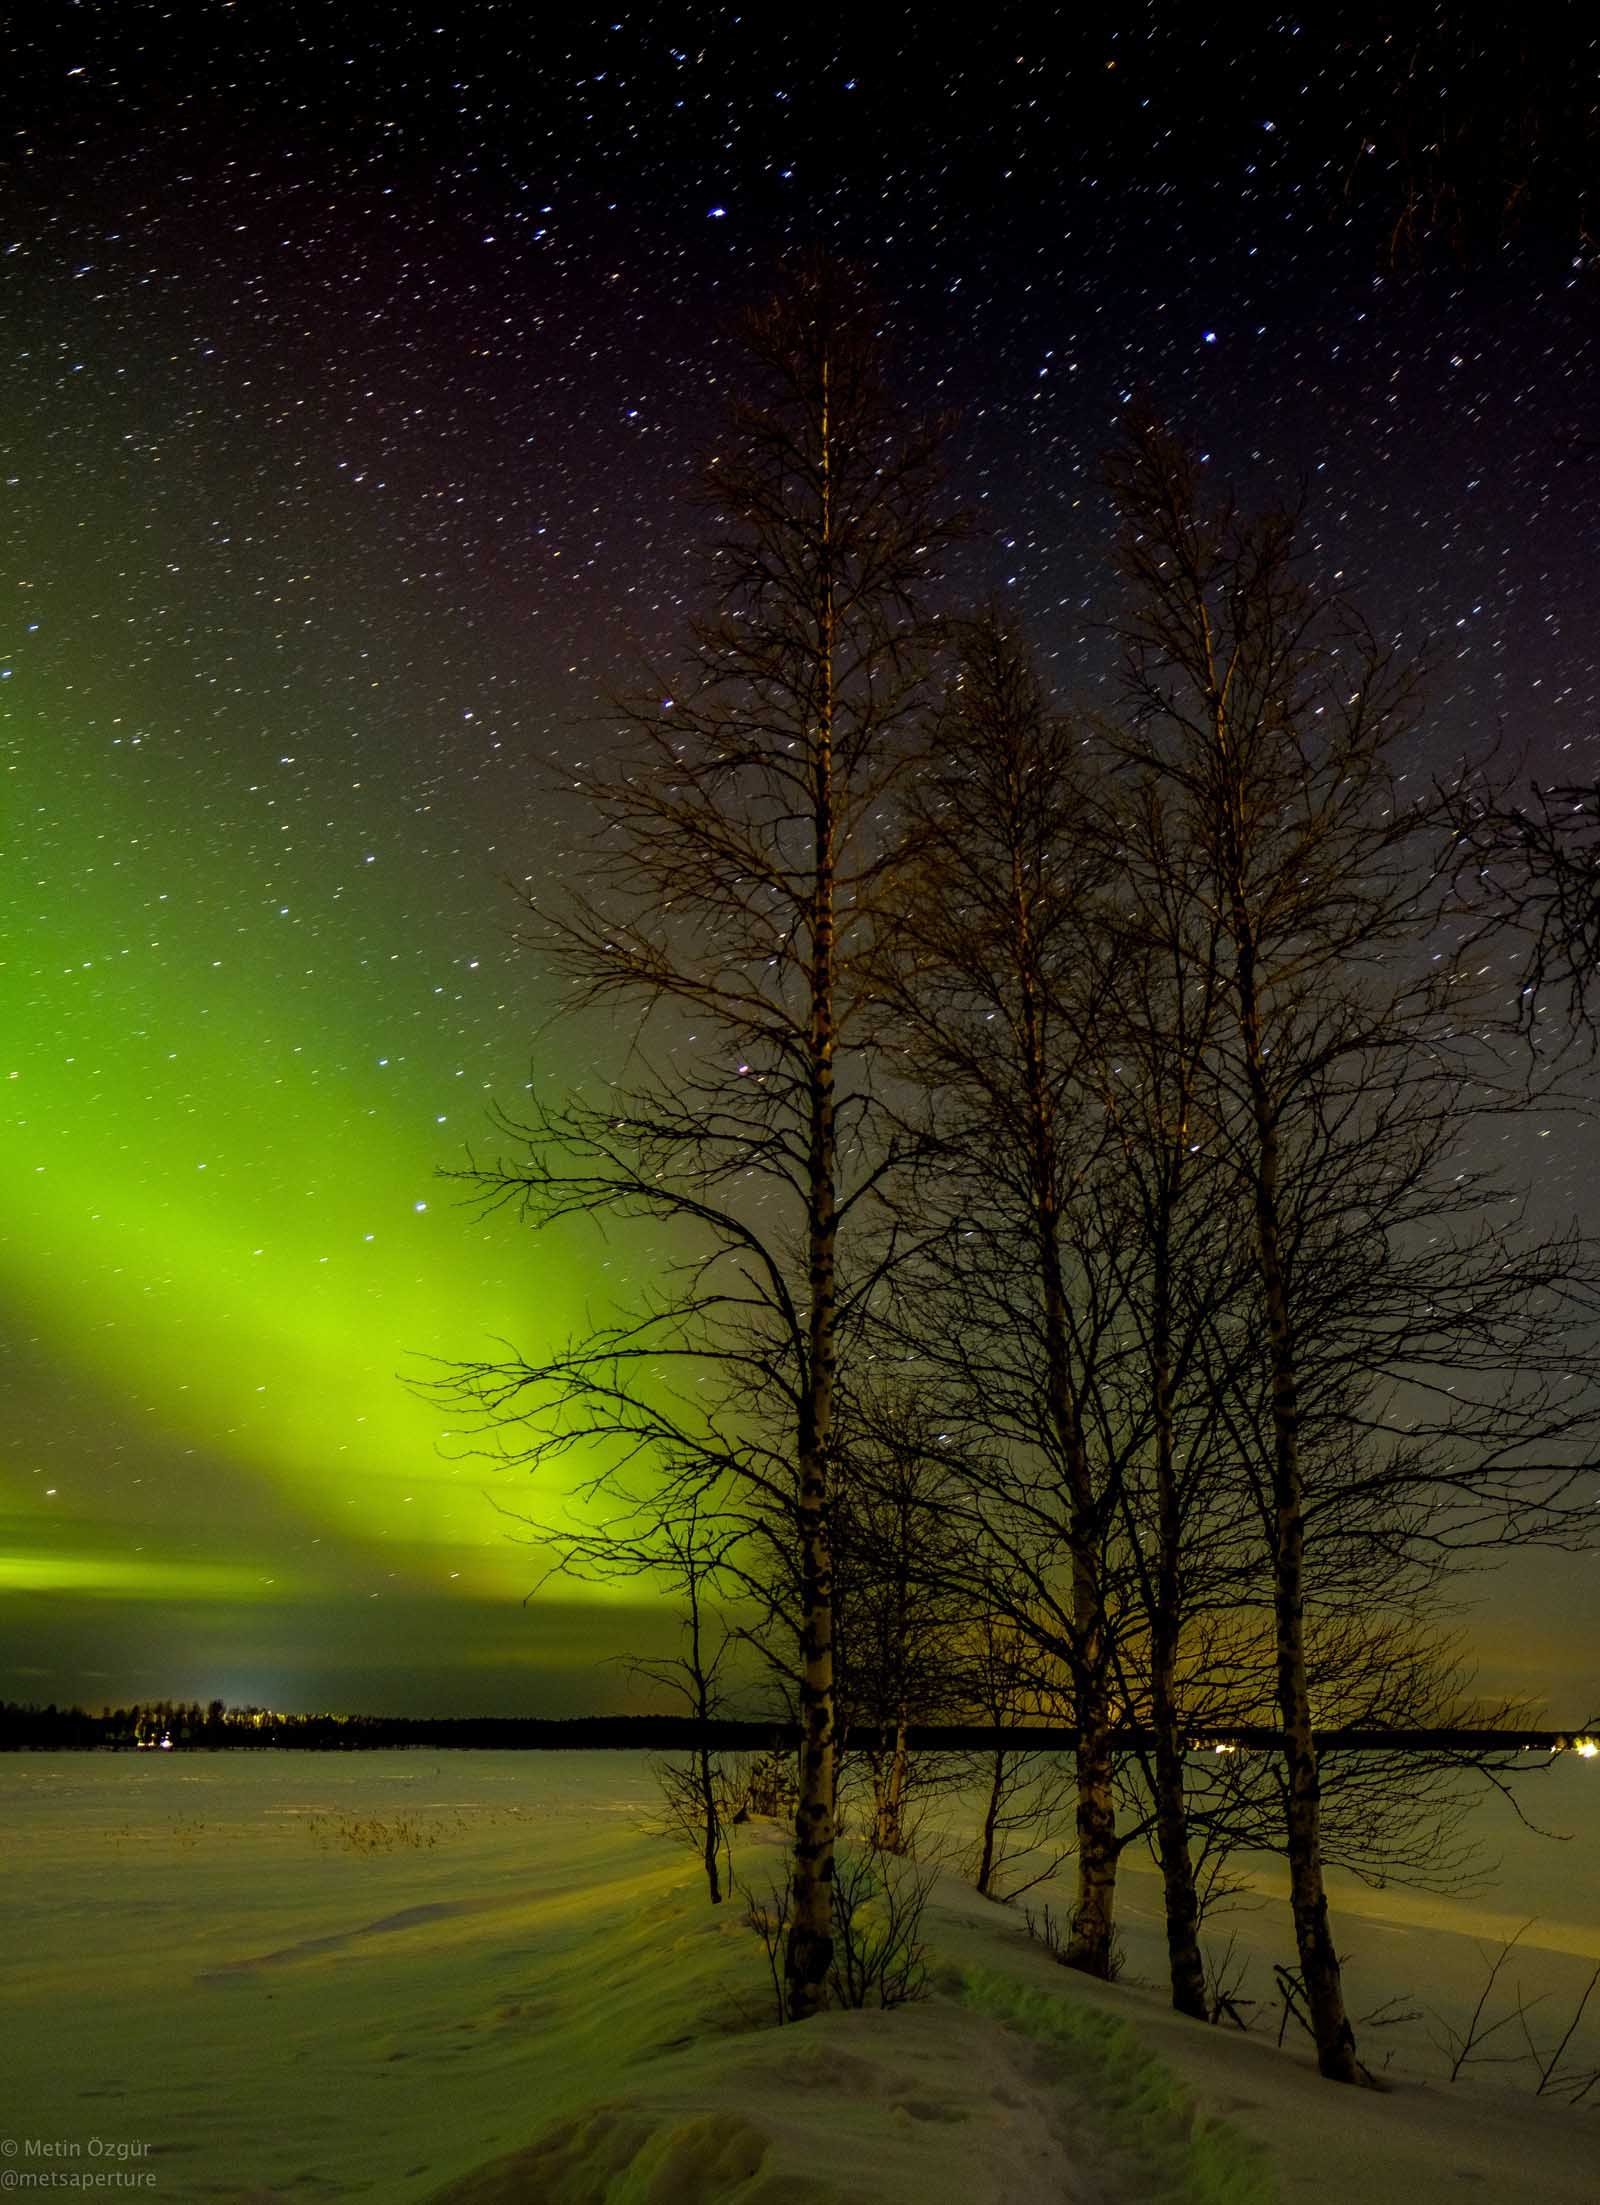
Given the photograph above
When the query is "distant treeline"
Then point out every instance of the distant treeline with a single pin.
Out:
(175, 1725)
(186, 1726)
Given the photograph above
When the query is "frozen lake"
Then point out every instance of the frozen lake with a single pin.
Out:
(277, 1975)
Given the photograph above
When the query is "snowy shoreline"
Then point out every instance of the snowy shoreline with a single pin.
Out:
(480, 1977)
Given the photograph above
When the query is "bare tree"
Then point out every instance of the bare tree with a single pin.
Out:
(990, 976)
(695, 1794)
(735, 861)
(1470, 127)
(1272, 735)
(1027, 1795)
(1530, 873)
(1415, 1382)
(903, 1565)
(1175, 1242)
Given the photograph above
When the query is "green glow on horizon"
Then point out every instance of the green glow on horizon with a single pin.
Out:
(223, 1209)
(137, 1579)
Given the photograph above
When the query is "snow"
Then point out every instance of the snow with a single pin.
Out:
(480, 1978)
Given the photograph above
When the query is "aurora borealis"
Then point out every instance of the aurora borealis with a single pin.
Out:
(353, 378)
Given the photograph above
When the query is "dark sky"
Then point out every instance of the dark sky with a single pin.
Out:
(354, 377)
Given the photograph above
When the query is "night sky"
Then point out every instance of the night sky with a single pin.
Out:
(353, 383)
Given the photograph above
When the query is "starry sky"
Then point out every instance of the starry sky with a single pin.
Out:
(354, 378)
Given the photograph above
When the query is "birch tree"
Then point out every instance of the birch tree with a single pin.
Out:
(903, 1563)
(1425, 1367)
(991, 977)
(1271, 729)
(716, 912)
(1530, 876)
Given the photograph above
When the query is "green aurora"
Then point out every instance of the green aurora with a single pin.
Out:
(352, 387)
(231, 1257)
(238, 1062)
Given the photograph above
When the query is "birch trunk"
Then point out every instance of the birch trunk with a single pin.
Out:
(991, 1823)
(1308, 1899)
(1185, 1965)
(1091, 1943)
(712, 1826)
(889, 1791)
(1091, 1939)
(809, 1954)
(705, 1776)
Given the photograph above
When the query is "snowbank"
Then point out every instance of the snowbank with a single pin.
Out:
(477, 1979)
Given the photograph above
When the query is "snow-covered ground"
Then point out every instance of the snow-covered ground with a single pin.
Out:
(480, 1978)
